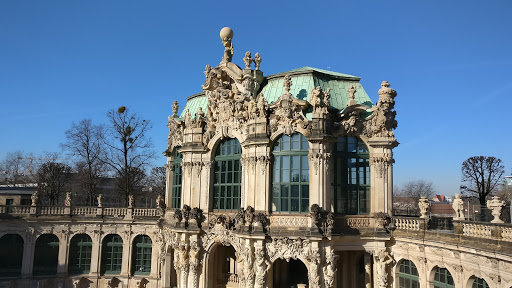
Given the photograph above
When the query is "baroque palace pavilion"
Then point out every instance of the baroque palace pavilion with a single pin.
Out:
(284, 180)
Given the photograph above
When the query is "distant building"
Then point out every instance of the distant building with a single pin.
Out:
(16, 195)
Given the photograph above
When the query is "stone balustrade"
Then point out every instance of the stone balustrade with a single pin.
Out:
(478, 230)
(80, 211)
(484, 230)
(407, 223)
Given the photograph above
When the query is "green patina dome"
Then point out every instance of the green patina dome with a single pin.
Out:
(304, 80)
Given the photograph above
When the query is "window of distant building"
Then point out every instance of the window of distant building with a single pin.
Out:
(80, 250)
(408, 275)
(141, 258)
(290, 178)
(227, 176)
(443, 278)
(112, 254)
(176, 179)
(351, 179)
(46, 255)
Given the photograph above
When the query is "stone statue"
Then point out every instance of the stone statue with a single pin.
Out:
(251, 108)
(329, 220)
(188, 119)
(330, 269)
(495, 205)
(316, 100)
(130, 201)
(351, 95)
(175, 108)
(200, 114)
(257, 61)
(262, 106)
(249, 215)
(424, 205)
(262, 266)
(248, 60)
(315, 214)
(458, 207)
(327, 100)
(382, 259)
(67, 201)
(35, 198)
(159, 202)
(226, 35)
(100, 200)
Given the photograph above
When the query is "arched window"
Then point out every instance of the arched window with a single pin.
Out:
(46, 255)
(480, 283)
(112, 254)
(141, 257)
(443, 278)
(228, 176)
(351, 179)
(80, 249)
(177, 177)
(290, 181)
(408, 275)
(11, 253)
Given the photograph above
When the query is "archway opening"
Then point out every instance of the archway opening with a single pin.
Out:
(291, 273)
(222, 267)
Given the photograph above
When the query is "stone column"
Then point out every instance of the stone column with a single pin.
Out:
(347, 276)
(95, 254)
(126, 266)
(330, 268)
(168, 182)
(261, 264)
(382, 259)
(381, 160)
(28, 255)
(194, 262)
(367, 270)
(314, 259)
(165, 271)
(62, 268)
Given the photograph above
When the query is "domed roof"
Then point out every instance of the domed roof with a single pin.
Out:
(304, 80)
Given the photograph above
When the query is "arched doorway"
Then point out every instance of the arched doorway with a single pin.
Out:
(222, 267)
(291, 273)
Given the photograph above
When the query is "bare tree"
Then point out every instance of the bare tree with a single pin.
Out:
(85, 142)
(51, 180)
(481, 175)
(14, 167)
(129, 150)
(156, 181)
(412, 191)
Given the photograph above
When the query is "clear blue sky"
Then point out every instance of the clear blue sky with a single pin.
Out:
(450, 61)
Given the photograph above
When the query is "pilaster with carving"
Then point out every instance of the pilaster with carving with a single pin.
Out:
(382, 259)
(330, 268)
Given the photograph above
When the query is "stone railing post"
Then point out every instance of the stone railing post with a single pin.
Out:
(457, 227)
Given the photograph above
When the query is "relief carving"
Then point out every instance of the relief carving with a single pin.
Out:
(288, 113)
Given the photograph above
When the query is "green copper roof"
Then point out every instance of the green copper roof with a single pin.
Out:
(308, 69)
(304, 80)
(193, 103)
